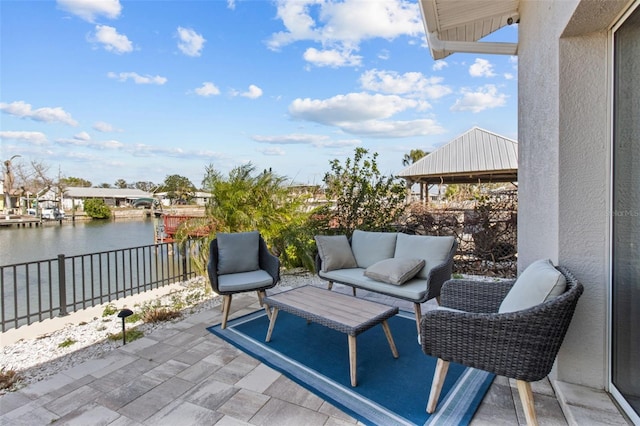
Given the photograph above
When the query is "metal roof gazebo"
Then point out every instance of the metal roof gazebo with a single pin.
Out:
(477, 156)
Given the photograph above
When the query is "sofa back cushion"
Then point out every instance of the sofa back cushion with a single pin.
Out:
(238, 252)
(372, 247)
(433, 249)
(539, 282)
(335, 252)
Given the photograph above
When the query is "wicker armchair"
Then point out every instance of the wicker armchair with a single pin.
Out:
(520, 345)
(228, 284)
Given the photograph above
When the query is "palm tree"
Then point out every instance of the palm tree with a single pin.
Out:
(410, 158)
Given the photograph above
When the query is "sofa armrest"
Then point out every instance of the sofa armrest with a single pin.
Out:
(440, 273)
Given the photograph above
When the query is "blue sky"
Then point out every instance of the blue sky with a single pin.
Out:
(138, 90)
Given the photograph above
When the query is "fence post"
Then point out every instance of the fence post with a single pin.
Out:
(62, 285)
(184, 263)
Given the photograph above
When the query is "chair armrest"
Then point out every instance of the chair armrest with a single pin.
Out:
(212, 265)
(268, 261)
(474, 296)
(318, 263)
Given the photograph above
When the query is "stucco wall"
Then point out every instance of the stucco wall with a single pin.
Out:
(564, 170)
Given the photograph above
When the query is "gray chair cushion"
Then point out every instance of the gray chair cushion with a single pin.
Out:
(394, 271)
(371, 247)
(238, 252)
(244, 281)
(335, 252)
(434, 250)
(539, 282)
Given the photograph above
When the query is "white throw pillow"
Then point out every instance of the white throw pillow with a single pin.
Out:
(394, 271)
(371, 247)
(433, 249)
(335, 252)
(539, 282)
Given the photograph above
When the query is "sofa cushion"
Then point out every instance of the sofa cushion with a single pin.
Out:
(539, 282)
(335, 252)
(434, 250)
(414, 290)
(371, 247)
(238, 252)
(394, 271)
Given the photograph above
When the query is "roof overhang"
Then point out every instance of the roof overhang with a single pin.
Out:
(458, 25)
(495, 176)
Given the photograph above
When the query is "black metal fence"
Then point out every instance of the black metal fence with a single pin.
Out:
(34, 291)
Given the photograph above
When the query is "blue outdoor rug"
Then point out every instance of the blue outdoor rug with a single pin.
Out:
(390, 391)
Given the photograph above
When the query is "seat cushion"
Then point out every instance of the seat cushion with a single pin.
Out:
(238, 252)
(244, 281)
(335, 252)
(394, 271)
(371, 247)
(433, 249)
(539, 282)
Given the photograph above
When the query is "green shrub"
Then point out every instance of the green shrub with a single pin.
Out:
(96, 209)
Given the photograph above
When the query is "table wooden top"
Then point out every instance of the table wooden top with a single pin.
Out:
(341, 312)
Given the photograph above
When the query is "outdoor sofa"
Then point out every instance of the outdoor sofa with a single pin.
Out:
(408, 267)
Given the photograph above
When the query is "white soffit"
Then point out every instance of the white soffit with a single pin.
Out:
(458, 25)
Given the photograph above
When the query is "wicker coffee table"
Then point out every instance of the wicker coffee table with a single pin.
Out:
(340, 312)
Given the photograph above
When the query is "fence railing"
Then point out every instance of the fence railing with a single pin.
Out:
(34, 291)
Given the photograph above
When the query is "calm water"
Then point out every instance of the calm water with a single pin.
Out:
(19, 245)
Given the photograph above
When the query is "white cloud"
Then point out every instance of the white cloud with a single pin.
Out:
(394, 129)
(101, 126)
(413, 84)
(343, 25)
(35, 138)
(440, 64)
(331, 58)
(319, 141)
(483, 98)
(111, 40)
(231, 4)
(137, 78)
(384, 54)
(272, 151)
(291, 139)
(207, 89)
(349, 107)
(254, 92)
(364, 114)
(508, 76)
(100, 145)
(481, 68)
(191, 43)
(82, 136)
(48, 115)
(90, 9)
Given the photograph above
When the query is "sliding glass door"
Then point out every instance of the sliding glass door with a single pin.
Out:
(625, 260)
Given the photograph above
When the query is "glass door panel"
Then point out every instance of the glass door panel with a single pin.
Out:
(625, 312)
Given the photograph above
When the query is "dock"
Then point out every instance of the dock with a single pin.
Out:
(19, 220)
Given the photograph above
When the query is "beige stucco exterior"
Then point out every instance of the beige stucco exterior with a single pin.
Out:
(565, 165)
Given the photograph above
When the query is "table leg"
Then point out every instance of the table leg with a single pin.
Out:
(272, 322)
(352, 360)
(392, 344)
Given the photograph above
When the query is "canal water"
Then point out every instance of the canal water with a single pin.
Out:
(18, 245)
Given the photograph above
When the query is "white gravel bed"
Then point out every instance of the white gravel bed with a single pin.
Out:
(38, 358)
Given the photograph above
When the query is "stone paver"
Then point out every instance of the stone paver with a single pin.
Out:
(182, 374)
